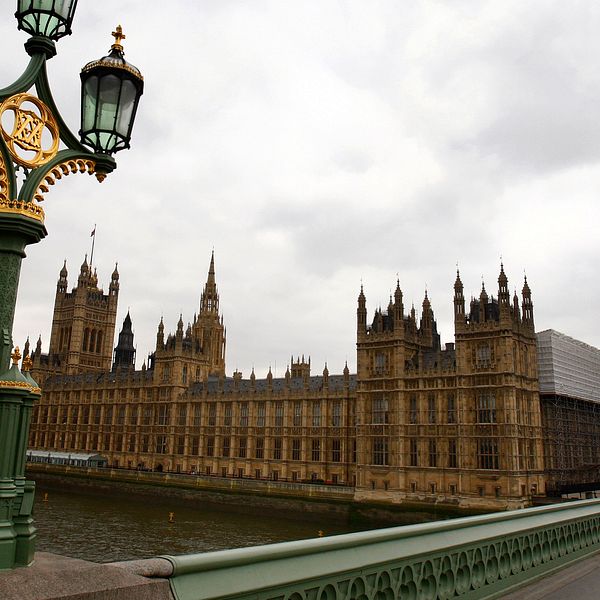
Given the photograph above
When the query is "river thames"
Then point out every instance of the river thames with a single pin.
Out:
(111, 528)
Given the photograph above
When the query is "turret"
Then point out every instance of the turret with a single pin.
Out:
(398, 306)
(503, 293)
(113, 288)
(527, 305)
(84, 274)
(325, 376)
(160, 336)
(459, 300)
(361, 312)
(61, 286)
(516, 310)
(483, 300)
(124, 353)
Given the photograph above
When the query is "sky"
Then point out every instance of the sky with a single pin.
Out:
(319, 144)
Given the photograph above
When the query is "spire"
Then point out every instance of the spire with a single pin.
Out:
(483, 301)
(84, 274)
(62, 284)
(160, 335)
(503, 293)
(361, 312)
(209, 301)
(527, 304)
(124, 353)
(459, 299)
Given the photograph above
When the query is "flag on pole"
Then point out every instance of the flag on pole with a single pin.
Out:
(93, 232)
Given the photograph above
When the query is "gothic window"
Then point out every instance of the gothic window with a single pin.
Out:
(210, 446)
(180, 444)
(379, 409)
(197, 415)
(487, 453)
(336, 417)
(243, 414)
(228, 415)
(99, 342)
(296, 448)
(242, 447)
(131, 446)
(279, 414)
(260, 414)
(413, 453)
(212, 414)
(451, 408)
(121, 416)
(380, 363)
(432, 453)
(316, 413)
(259, 451)
(97, 412)
(277, 446)
(86, 335)
(195, 445)
(484, 355)
(380, 451)
(452, 455)
(92, 341)
(161, 444)
(336, 450)
(145, 443)
(147, 417)
(163, 414)
(226, 447)
(316, 450)
(182, 415)
(297, 422)
(486, 407)
(431, 412)
(184, 374)
(413, 416)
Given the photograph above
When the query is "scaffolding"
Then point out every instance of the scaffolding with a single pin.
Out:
(569, 376)
(568, 367)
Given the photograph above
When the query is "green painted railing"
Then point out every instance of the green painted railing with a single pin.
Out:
(473, 557)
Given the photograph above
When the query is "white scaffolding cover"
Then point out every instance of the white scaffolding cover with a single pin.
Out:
(568, 367)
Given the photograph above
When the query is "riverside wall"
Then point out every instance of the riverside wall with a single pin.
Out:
(306, 501)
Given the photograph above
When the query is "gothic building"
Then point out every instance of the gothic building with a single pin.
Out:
(83, 327)
(417, 423)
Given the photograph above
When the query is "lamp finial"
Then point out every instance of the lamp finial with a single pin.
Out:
(118, 35)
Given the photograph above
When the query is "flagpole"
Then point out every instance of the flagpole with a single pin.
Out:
(93, 242)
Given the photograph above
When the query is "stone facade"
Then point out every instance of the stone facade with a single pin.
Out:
(417, 423)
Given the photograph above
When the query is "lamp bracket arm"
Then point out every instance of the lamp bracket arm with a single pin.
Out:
(64, 163)
(42, 87)
(27, 79)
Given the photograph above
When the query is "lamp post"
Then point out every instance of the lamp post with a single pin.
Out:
(35, 140)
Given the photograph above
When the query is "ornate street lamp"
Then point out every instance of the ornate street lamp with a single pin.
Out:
(110, 93)
(35, 139)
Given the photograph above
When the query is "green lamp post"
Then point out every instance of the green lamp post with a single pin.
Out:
(35, 139)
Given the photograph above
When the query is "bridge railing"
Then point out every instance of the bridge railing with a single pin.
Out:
(473, 557)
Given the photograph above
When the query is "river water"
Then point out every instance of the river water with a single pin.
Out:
(110, 528)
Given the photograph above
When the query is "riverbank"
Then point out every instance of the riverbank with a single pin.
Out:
(303, 501)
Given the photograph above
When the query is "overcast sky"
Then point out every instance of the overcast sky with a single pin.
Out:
(317, 143)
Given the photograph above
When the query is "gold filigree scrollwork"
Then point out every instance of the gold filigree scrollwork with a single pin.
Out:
(34, 137)
(28, 209)
(4, 183)
(74, 165)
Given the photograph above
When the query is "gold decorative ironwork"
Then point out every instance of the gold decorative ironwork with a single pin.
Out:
(28, 209)
(26, 142)
(27, 364)
(71, 165)
(4, 182)
(16, 356)
(16, 384)
(118, 35)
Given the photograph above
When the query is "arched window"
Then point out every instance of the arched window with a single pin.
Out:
(86, 335)
(185, 371)
(92, 340)
(99, 342)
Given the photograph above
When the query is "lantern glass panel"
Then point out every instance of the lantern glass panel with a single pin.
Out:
(127, 104)
(50, 18)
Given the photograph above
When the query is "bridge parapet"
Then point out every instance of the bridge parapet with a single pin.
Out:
(474, 557)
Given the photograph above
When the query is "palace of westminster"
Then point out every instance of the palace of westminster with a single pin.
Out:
(462, 425)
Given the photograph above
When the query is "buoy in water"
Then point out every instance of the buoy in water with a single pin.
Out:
(171, 517)
(46, 497)
(320, 532)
